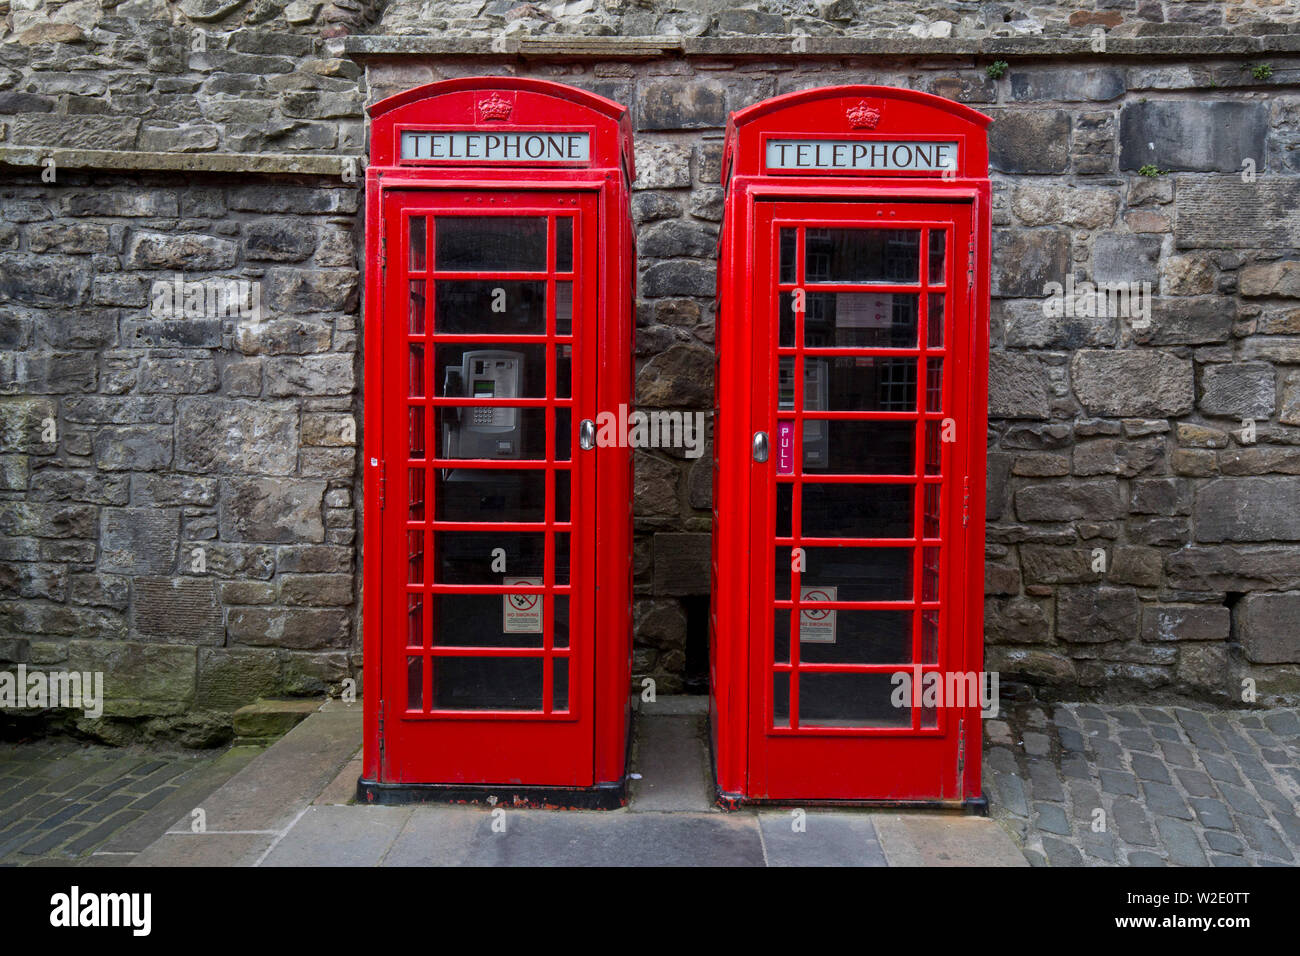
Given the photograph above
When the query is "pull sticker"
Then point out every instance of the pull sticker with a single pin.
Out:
(785, 448)
(521, 613)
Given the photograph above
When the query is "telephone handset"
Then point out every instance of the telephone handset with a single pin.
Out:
(483, 431)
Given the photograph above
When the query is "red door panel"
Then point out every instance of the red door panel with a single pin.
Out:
(488, 588)
(861, 383)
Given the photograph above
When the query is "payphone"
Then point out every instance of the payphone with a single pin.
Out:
(853, 289)
(497, 613)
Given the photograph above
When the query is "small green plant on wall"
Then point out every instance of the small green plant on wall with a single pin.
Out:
(1149, 169)
(1261, 71)
(997, 69)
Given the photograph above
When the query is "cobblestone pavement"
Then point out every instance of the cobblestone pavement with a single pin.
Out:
(70, 803)
(1177, 786)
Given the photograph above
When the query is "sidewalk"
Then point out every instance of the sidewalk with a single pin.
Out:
(1107, 785)
(255, 820)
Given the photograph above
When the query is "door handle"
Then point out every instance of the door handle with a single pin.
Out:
(760, 447)
(587, 435)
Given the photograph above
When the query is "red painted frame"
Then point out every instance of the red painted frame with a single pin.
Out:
(908, 765)
(585, 747)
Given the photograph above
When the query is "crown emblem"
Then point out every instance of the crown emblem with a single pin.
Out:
(495, 107)
(862, 116)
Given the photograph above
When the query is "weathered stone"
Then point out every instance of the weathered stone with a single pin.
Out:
(1143, 567)
(1218, 212)
(1159, 496)
(177, 611)
(676, 277)
(229, 677)
(138, 540)
(297, 628)
(1044, 564)
(1093, 615)
(1018, 386)
(677, 238)
(1271, 279)
(307, 290)
(133, 447)
(139, 679)
(1102, 83)
(680, 377)
(1267, 625)
(1132, 382)
(1112, 456)
(681, 104)
(1029, 141)
(1070, 501)
(279, 240)
(151, 250)
(1207, 667)
(316, 590)
(1027, 324)
(1240, 390)
(1034, 666)
(310, 375)
(1121, 257)
(1185, 622)
(1247, 509)
(662, 165)
(1191, 321)
(1209, 136)
(271, 510)
(682, 563)
(1026, 260)
(219, 435)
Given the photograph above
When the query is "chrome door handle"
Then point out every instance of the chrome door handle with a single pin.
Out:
(760, 447)
(587, 435)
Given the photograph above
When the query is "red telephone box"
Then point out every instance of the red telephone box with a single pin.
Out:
(849, 450)
(499, 314)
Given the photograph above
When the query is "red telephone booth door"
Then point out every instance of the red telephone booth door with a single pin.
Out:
(862, 351)
(488, 580)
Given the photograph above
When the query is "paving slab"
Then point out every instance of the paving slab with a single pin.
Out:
(339, 836)
(672, 758)
(832, 838)
(437, 836)
(260, 803)
(916, 839)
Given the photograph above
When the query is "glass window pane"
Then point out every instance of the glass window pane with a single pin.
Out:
(933, 448)
(562, 558)
(937, 246)
(846, 447)
(929, 574)
(860, 574)
(490, 307)
(862, 383)
(862, 255)
(931, 511)
(416, 429)
(560, 683)
(560, 633)
(563, 434)
(417, 307)
(934, 385)
(415, 372)
(564, 308)
(861, 320)
(850, 700)
(787, 255)
(489, 620)
(490, 243)
(781, 636)
(564, 244)
(780, 700)
(934, 321)
(415, 494)
(495, 433)
(467, 371)
(785, 317)
(476, 557)
(930, 637)
(857, 511)
(415, 683)
(489, 494)
(837, 636)
(487, 683)
(562, 490)
(415, 620)
(415, 557)
(417, 243)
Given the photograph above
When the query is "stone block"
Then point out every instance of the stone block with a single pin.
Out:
(232, 435)
(272, 510)
(138, 540)
(1239, 390)
(1247, 509)
(1185, 622)
(1192, 134)
(1132, 382)
(682, 563)
(1267, 625)
(139, 679)
(1095, 615)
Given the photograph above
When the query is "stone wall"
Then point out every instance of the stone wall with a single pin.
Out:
(1140, 539)
(178, 505)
